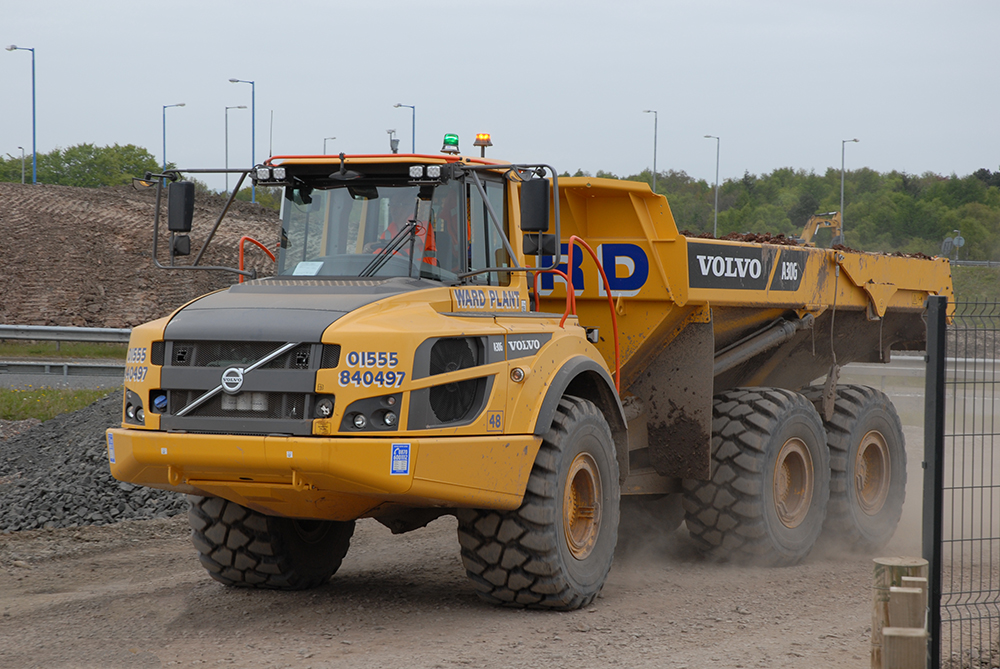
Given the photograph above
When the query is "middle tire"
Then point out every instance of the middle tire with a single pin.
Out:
(770, 482)
(555, 551)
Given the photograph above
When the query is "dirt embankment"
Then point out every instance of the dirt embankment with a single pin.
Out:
(83, 256)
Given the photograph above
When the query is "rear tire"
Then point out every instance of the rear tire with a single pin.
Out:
(868, 468)
(241, 547)
(770, 484)
(555, 551)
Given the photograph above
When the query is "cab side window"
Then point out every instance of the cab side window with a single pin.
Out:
(487, 249)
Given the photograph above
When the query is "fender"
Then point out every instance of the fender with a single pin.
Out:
(582, 377)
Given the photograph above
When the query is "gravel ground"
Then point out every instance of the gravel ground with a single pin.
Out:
(56, 474)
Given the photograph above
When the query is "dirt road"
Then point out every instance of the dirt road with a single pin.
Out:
(134, 595)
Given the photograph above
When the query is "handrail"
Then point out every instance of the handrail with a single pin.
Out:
(243, 241)
(571, 297)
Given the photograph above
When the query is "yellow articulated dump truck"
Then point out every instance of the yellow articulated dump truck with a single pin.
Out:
(540, 357)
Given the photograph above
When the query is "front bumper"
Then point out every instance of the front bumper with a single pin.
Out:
(327, 478)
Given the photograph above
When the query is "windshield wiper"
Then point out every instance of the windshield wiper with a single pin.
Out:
(408, 232)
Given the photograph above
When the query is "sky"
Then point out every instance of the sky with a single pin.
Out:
(781, 82)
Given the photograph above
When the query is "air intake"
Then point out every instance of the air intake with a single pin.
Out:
(452, 401)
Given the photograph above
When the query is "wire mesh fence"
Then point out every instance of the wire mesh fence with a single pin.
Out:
(967, 513)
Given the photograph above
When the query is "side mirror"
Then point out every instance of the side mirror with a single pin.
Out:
(180, 206)
(181, 245)
(535, 205)
(539, 244)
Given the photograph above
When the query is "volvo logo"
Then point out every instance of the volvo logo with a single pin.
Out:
(232, 380)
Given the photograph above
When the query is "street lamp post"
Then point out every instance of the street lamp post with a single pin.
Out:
(843, 227)
(165, 107)
(253, 129)
(413, 133)
(655, 122)
(324, 143)
(34, 145)
(227, 141)
(715, 226)
(22, 164)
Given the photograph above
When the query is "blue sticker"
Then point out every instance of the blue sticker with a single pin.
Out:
(400, 460)
(111, 448)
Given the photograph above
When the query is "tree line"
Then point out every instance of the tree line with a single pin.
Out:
(90, 166)
(892, 211)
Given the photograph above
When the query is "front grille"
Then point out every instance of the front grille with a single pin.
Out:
(243, 354)
(290, 406)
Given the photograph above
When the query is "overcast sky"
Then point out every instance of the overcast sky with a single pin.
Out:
(782, 82)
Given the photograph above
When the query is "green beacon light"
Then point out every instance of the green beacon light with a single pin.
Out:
(450, 143)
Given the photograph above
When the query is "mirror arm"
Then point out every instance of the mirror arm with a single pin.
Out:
(232, 196)
(251, 274)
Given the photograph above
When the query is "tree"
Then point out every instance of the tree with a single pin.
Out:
(86, 165)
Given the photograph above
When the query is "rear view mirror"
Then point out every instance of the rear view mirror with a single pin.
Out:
(535, 205)
(180, 206)
(539, 244)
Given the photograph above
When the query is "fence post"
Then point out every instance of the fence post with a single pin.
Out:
(906, 607)
(889, 572)
(905, 647)
(933, 507)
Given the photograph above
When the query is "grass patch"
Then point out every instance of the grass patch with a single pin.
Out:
(976, 283)
(46, 403)
(53, 349)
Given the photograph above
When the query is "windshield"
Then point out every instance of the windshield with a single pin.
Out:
(359, 229)
(345, 231)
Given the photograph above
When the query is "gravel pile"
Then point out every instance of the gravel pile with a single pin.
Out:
(56, 475)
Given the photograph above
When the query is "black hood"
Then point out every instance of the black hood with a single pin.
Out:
(280, 310)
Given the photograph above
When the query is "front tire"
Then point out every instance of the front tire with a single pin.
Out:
(245, 548)
(868, 468)
(770, 484)
(555, 551)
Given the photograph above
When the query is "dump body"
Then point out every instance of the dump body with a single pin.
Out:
(687, 306)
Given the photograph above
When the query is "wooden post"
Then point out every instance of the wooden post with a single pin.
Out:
(889, 572)
(906, 607)
(917, 582)
(904, 648)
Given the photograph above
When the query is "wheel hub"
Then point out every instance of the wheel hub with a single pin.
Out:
(582, 506)
(872, 472)
(793, 483)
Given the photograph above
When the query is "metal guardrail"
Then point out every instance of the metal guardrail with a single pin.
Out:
(64, 369)
(52, 333)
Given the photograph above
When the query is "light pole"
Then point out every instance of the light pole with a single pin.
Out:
(324, 143)
(22, 164)
(413, 133)
(843, 144)
(34, 146)
(165, 107)
(715, 226)
(655, 122)
(227, 141)
(253, 129)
